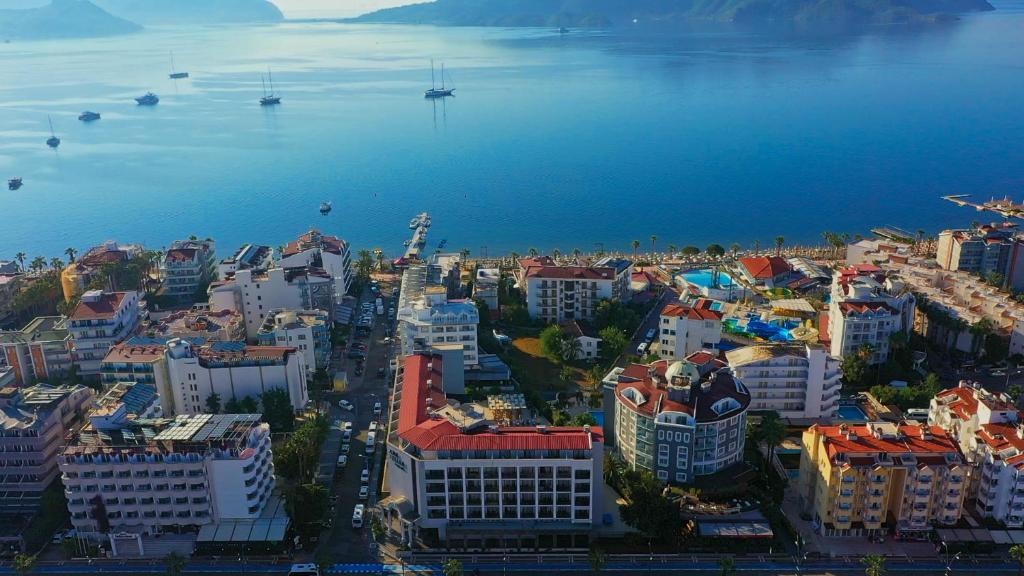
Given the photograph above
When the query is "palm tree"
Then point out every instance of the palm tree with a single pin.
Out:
(71, 254)
(556, 253)
(380, 258)
(614, 469)
(1017, 553)
(980, 331)
(38, 264)
(636, 246)
(779, 241)
(576, 253)
(727, 566)
(874, 565)
(20, 257)
(770, 432)
(671, 249)
(735, 249)
(757, 247)
(533, 252)
(56, 263)
(597, 559)
(174, 564)
(452, 567)
(24, 564)
(654, 243)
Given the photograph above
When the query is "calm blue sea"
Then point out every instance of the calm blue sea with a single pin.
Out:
(714, 134)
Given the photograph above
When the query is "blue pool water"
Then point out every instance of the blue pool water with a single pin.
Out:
(717, 306)
(599, 416)
(766, 330)
(702, 278)
(852, 413)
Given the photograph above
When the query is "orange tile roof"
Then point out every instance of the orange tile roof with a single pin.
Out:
(765, 267)
(910, 440)
(105, 307)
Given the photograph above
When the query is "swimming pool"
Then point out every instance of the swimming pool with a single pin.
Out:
(717, 306)
(770, 331)
(704, 278)
(852, 413)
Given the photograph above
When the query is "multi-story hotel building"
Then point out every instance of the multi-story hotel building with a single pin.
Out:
(255, 293)
(307, 330)
(187, 266)
(559, 293)
(474, 484)
(210, 325)
(798, 381)
(232, 370)
(988, 427)
(857, 480)
(867, 308)
(39, 351)
(329, 253)
(123, 475)
(427, 318)
(685, 329)
(248, 257)
(33, 422)
(991, 248)
(679, 420)
(101, 320)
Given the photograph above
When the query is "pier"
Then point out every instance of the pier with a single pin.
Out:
(1006, 207)
(414, 246)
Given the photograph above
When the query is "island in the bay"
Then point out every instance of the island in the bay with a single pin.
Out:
(602, 13)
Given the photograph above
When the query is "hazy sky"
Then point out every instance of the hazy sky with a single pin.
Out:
(328, 8)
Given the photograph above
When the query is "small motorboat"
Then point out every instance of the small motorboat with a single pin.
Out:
(148, 99)
(325, 208)
(14, 183)
(89, 116)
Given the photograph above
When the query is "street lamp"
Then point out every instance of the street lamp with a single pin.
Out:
(950, 559)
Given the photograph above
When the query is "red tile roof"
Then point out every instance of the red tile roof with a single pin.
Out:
(135, 353)
(314, 239)
(848, 308)
(181, 254)
(656, 399)
(104, 308)
(765, 267)
(700, 310)
(100, 256)
(421, 389)
(570, 272)
(536, 261)
(909, 440)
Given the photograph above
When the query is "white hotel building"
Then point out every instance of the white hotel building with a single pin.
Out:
(474, 485)
(799, 381)
(101, 320)
(428, 319)
(867, 308)
(142, 476)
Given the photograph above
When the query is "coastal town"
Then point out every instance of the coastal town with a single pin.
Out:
(849, 407)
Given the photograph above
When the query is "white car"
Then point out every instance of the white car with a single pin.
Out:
(364, 492)
(342, 461)
(345, 405)
(364, 477)
(345, 448)
(357, 516)
(377, 407)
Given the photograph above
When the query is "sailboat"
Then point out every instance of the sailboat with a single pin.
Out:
(434, 91)
(176, 75)
(52, 141)
(269, 99)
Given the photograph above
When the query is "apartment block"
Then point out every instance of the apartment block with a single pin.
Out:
(328, 253)
(101, 320)
(255, 293)
(475, 484)
(990, 248)
(880, 477)
(38, 352)
(559, 293)
(186, 267)
(798, 381)
(688, 328)
(307, 330)
(34, 422)
(123, 474)
(427, 318)
(867, 308)
(76, 277)
(248, 257)
(233, 370)
(988, 428)
(679, 420)
(210, 325)
(140, 361)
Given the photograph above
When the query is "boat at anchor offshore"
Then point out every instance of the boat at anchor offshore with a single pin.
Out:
(434, 91)
(148, 99)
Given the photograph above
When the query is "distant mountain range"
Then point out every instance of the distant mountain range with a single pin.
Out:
(35, 19)
(62, 19)
(601, 13)
(192, 11)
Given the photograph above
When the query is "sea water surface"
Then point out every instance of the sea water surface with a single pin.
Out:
(712, 134)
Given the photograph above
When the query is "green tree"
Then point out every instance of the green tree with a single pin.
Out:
(567, 375)
(20, 257)
(690, 251)
(38, 264)
(533, 252)
(24, 564)
(779, 241)
(174, 564)
(598, 559)
(636, 246)
(654, 243)
(770, 431)
(735, 249)
(613, 342)
(277, 410)
(715, 250)
(248, 405)
(452, 567)
(233, 406)
(980, 331)
(364, 264)
(1017, 553)
(70, 252)
(874, 565)
(672, 250)
(56, 264)
(378, 528)
(552, 342)
(584, 419)
(571, 349)
(855, 366)
(995, 279)
(305, 505)
(614, 471)
(379, 255)
(213, 403)
(726, 566)
(647, 509)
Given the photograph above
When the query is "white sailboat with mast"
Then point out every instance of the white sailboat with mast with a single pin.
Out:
(269, 98)
(175, 75)
(434, 91)
(52, 141)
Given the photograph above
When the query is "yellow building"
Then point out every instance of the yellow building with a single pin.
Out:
(77, 276)
(863, 479)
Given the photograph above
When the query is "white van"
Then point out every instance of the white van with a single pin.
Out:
(304, 570)
(371, 442)
(641, 349)
(357, 516)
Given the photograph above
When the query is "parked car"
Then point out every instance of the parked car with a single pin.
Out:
(380, 372)
(377, 408)
(342, 460)
(359, 346)
(364, 476)
(357, 516)
(345, 448)
(345, 405)
(364, 492)
(652, 333)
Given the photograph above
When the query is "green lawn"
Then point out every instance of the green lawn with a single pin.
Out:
(534, 371)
